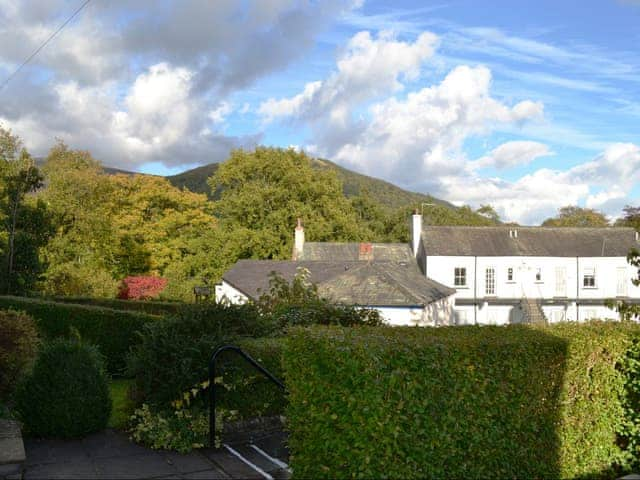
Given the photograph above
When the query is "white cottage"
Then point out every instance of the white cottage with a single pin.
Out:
(381, 276)
(528, 274)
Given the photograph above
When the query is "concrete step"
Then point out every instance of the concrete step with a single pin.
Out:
(12, 454)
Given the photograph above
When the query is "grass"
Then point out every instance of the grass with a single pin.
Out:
(122, 405)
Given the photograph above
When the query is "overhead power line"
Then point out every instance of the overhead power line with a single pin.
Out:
(44, 44)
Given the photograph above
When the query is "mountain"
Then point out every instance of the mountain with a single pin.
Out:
(354, 183)
(386, 194)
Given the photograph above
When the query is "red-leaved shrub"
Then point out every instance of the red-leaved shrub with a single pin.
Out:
(141, 288)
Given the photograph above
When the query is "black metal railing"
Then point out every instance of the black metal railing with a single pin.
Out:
(212, 383)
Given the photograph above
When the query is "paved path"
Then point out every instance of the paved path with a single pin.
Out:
(110, 454)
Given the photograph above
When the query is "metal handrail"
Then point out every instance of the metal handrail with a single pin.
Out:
(212, 383)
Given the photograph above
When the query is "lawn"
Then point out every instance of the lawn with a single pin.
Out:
(122, 406)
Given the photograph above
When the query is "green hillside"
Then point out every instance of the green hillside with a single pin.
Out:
(354, 183)
(387, 195)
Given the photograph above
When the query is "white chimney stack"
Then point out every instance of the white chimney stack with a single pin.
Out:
(298, 242)
(416, 232)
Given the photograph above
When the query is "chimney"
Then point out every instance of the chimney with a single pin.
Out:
(416, 232)
(298, 242)
(365, 252)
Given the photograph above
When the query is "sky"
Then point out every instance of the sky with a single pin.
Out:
(524, 105)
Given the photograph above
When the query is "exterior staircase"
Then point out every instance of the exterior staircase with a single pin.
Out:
(532, 311)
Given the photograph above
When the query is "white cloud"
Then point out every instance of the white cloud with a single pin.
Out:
(219, 114)
(157, 121)
(512, 154)
(369, 67)
(419, 139)
(131, 80)
(603, 183)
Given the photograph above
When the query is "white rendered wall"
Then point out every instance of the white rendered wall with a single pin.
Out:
(225, 292)
(612, 274)
(435, 314)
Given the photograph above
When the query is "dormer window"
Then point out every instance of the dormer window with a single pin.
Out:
(460, 277)
(589, 278)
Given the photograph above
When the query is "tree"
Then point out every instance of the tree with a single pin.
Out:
(631, 218)
(19, 176)
(80, 254)
(489, 212)
(629, 311)
(266, 190)
(574, 216)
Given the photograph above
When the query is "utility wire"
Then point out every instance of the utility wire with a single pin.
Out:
(44, 44)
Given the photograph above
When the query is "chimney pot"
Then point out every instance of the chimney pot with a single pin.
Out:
(416, 232)
(365, 252)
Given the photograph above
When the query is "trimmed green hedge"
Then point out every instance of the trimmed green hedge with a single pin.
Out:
(459, 402)
(151, 307)
(112, 331)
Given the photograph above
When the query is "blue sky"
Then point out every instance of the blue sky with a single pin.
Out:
(527, 106)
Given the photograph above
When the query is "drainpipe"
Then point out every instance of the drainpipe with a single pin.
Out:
(475, 288)
(577, 289)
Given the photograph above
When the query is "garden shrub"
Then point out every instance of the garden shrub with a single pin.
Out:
(141, 288)
(174, 354)
(18, 348)
(182, 427)
(66, 394)
(459, 402)
(114, 332)
(152, 307)
(298, 303)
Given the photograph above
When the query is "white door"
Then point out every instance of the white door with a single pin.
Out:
(561, 281)
(621, 284)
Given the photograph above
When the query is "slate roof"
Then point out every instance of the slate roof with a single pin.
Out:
(530, 241)
(331, 251)
(399, 284)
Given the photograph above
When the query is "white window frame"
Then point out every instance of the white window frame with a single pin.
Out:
(538, 275)
(511, 275)
(490, 281)
(589, 278)
(460, 273)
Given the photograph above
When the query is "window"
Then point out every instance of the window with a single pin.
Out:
(509, 274)
(589, 278)
(538, 274)
(490, 281)
(460, 277)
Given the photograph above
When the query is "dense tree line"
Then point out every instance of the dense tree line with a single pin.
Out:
(68, 228)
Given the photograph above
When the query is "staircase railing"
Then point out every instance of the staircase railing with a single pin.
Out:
(212, 383)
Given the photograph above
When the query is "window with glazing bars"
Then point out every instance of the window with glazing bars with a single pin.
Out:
(589, 278)
(460, 277)
(490, 281)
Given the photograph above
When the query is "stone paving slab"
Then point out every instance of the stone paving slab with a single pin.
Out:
(111, 455)
(11, 445)
(10, 471)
